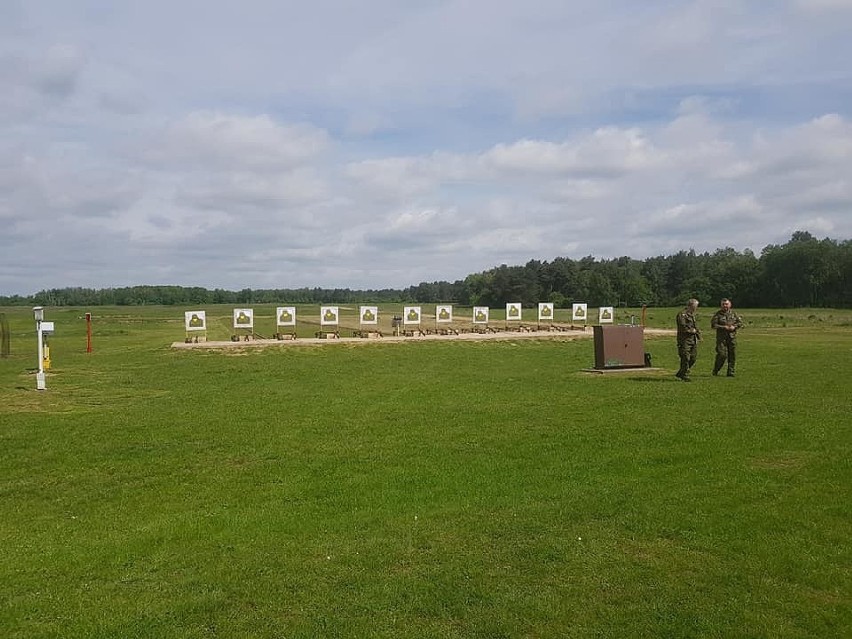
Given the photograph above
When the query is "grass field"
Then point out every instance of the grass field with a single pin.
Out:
(423, 489)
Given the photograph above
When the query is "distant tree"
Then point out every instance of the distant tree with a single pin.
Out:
(655, 273)
(803, 272)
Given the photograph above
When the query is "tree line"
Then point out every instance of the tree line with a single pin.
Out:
(804, 272)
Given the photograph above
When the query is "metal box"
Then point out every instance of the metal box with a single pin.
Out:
(619, 347)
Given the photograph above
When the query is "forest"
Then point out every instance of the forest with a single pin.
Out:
(804, 272)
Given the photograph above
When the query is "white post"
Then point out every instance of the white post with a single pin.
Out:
(38, 311)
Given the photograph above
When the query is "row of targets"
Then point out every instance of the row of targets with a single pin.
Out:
(412, 316)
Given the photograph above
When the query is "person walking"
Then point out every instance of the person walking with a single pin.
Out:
(688, 337)
(726, 324)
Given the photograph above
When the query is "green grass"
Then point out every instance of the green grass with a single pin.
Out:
(439, 489)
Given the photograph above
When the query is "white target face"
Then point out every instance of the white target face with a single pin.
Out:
(480, 314)
(243, 318)
(195, 320)
(329, 315)
(411, 315)
(545, 311)
(369, 314)
(285, 316)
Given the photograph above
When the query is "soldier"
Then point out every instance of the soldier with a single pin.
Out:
(688, 337)
(726, 323)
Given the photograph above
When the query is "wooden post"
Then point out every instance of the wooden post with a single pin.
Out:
(88, 332)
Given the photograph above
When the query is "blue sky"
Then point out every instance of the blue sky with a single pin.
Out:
(275, 144)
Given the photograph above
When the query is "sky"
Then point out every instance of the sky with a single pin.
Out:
(379, 144)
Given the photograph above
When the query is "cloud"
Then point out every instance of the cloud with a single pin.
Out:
(607, 151)
(248, 190)
(430, 229)
(397, 176)
(257, 143)
(58, 70)
(385, 144)
(37, 80)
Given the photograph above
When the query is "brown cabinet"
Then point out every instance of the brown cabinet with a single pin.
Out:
(619, 346)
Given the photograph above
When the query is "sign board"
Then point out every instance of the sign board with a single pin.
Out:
(243, 318)
(369, 314)
(545, 311)
(329, 315)
(195, 320)
(411, 315)
(606, 315)
(444, 313)
(579, 312)
(285, 316)
(480, 314)
(513, 312)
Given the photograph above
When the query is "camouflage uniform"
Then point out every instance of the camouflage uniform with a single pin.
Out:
(726, 341)
(688, 337)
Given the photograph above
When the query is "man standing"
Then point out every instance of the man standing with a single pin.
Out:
(726, 323)
(688, 337)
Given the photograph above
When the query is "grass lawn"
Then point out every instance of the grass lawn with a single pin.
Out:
(423, 489)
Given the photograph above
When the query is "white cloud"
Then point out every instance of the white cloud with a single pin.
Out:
(396, 176)
(386, 143)
(204, 139)
(264, 192)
